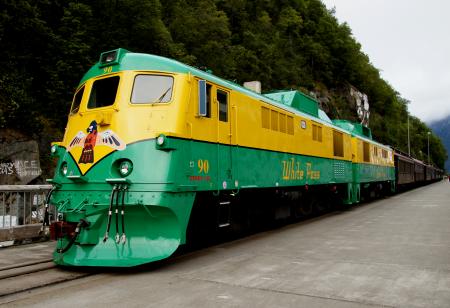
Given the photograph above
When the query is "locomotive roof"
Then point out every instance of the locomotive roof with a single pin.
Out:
(139, 61)
(126, 60)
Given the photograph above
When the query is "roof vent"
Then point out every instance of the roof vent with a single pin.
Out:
(297, 100)
(255, 86)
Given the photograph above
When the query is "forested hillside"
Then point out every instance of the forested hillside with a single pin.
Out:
(46, 46)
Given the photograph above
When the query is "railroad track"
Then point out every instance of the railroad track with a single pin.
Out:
(32, 275)
(16, 281)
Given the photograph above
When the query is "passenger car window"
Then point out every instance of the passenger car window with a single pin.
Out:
(103, 92)
(149, 89)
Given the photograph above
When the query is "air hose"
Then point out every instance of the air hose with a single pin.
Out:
(123, 237)
(108, 225)
(81, 224)
(46, 221)
(117, 216)
(115, 195)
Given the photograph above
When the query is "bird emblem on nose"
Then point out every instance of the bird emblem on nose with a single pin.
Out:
(93, 139)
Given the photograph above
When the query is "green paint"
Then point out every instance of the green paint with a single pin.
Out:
(150, 236)
(366, 173)
(162, 188)
(161, 192)
(356, 129)
(297, 100)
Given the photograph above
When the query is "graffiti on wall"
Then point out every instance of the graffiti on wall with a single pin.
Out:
(20, 168)
(6, 168)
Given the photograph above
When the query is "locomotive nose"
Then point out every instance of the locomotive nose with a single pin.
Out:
(153, 235)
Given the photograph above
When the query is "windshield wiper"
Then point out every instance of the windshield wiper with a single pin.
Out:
(164, 94)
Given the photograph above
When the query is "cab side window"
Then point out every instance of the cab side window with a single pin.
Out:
(208, 100)
(222, 98)
(204, 98)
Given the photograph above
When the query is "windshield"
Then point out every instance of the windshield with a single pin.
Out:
(77, 101)
(148, 89)
(103, 92)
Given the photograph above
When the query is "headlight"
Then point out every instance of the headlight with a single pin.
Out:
(160, 140)
(64, 168)
(125, 167)
(53, 149)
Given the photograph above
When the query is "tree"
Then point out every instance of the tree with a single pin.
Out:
(47, 46)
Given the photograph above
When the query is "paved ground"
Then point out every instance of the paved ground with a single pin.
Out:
(393, 252)
(17, 255)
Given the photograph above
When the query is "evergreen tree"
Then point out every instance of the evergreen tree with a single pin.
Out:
(287, 44)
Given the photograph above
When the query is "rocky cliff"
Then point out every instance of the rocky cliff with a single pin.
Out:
(19, 158)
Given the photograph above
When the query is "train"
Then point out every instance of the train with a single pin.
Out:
(411, 172)
(157, 153)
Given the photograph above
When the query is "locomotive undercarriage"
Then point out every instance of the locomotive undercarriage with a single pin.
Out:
(375, 190)
(216, 216)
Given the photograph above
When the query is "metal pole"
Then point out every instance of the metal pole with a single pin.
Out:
(4, 209)
(428, 147)
(409, 145)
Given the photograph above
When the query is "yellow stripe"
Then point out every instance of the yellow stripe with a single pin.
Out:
(180, 118)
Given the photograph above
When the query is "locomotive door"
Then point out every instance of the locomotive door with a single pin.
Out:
(224, 118)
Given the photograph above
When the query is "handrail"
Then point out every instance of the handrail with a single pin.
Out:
(17, 188)
(23, 205)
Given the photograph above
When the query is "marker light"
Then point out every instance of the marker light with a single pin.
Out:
(53, 149)
(111, 57)
(108, 57)
(125, 167)
(64, 168)
(160, 140)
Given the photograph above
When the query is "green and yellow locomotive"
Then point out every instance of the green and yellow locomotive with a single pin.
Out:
(154, 148)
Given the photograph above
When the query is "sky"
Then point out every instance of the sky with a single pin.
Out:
(409, 42)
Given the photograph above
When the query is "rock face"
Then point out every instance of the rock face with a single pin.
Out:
(343, 103)
(19, 158)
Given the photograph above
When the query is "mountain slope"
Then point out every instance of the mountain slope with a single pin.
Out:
(442, 129)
